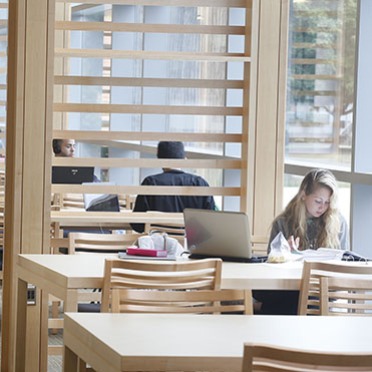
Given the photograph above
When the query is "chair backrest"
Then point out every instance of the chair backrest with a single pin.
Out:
(309, 301)
(272, 358)
(100, 243)
(175, 231)
(164, 275)
(180, 302)
(346, 296)
(67, 201)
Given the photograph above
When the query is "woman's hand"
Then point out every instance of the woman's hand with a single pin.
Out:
(293, 243)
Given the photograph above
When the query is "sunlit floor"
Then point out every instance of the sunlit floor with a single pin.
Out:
(55, 362)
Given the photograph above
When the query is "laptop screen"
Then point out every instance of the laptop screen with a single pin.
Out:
(74, 175)
(217, 234)
(101, 202)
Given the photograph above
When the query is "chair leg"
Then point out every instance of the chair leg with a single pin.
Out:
(83, 367)
(55, 314)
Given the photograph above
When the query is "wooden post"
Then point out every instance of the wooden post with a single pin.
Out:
(28, 162)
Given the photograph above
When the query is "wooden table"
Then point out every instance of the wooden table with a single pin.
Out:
(63, 275)
(138, 342)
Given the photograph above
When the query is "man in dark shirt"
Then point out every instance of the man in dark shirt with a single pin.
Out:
(171, 177)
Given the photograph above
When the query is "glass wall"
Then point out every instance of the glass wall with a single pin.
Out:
(328, 104)
(320, 101)
(320, 98)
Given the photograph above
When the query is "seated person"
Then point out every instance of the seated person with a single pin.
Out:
(171, 177)
(66, 148)
(311, 220)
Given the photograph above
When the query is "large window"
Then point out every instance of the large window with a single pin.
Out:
(320, 99)
(328, 104)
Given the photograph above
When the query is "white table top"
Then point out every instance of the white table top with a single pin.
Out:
(86, 271)
(168, 342)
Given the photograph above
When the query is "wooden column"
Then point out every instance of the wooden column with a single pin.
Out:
(267, 93)
(28, 161)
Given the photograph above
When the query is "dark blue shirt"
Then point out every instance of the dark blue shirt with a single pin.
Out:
(171, 203)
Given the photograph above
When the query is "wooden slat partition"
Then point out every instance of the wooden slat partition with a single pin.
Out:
(207, 54)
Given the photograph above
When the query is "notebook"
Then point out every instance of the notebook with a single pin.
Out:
(101, 202)
(125, 256)
(74, 175)
(218, 234)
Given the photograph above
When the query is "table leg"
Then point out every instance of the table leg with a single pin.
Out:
(20, 353)
(70, 303)
(70, 360)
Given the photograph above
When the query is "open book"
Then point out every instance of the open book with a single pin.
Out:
(101, 202)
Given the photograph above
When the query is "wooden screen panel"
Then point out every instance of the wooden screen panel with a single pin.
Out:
(207, 57)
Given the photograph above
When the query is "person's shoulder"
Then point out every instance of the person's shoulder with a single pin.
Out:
(199, 180)
(148, 180)
(280, 219)
(342, 218)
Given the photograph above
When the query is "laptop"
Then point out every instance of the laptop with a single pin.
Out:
(73, 175)
(101, 202)
(219, 234)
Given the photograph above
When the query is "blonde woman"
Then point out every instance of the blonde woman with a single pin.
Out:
(311, 219)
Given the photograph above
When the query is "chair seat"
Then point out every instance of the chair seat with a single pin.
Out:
(89, 308)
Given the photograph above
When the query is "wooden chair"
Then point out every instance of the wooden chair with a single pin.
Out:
(67, 201)
(272, 358)
(126, 201)
(259, 245)
(100, 243)
(85, 243)
(346, 296)
(150, 277)
(181, 275)
(173, 230)
(309, 301)
(181, 302)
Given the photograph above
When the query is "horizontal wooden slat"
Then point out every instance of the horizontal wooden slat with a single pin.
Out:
(316, 12)
(313, 93)
(188, 3)
(151, 55)
(146, 136)
(148, 28)
(55, 350)
(149, 163)
(148, 109)
(315, 29)
(316, 77)
(148, 82)
(148, 190)
(314, 45)
(313, 61)
(55, 323)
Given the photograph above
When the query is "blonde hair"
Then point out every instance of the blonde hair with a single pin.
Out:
(294, 214)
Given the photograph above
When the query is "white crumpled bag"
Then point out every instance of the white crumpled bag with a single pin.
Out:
(161, 241)
(279, 250)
